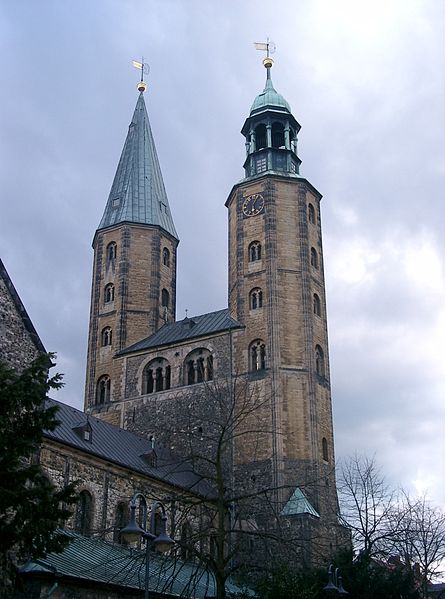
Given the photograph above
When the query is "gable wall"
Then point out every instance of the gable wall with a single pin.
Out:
(18, 346)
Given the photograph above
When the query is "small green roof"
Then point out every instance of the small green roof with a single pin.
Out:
(298, 504)
(93, 561)
(138, 194)
(269, 99)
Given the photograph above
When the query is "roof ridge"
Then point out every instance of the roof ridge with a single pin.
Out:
(217, 321)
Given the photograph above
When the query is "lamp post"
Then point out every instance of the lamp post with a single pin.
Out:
(133, 532)
(335, 583)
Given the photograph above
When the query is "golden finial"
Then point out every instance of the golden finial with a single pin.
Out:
(269, 48)
(144, 68)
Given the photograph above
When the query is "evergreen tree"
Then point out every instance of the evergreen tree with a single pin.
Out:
(31, 509)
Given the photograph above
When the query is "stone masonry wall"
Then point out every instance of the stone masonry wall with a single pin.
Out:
(111, 485)
(19, 343)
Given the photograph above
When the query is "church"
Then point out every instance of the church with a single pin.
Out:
(231, 406)
(153, 375)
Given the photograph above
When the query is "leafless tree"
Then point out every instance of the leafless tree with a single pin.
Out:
(387, 524)
(421, 538)
(236, 520)
(368, 506)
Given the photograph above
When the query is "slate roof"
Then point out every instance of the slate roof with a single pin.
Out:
(106, 563)
(138, 194)
(298, 504)
(188, 328)
(124, 448)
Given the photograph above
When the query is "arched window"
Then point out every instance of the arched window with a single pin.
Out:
(261, 137)
(257, 355)
(109, 293)
(186, 542)
(120, 520)
(141, 515)
(198, 367)
(200, 370)
(293, 141)
(165, 298)
(84, 513)
(165, 257)
(317, 305)
(277, 135)
(254, 251)
(111, 251)
(314, 258)
(212, 545)
(256, 298)
(106, 336)
(156, 376)
(191, 379)
(103, 390)
(311, 213)
(319, 361)
(324, 448)
(158, 524)
(209, 361)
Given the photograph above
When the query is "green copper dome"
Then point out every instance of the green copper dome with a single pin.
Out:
(269, 99)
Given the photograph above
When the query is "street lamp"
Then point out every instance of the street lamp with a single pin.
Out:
(335, 583)
(133, 532)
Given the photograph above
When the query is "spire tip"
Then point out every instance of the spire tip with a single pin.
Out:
(144, 68)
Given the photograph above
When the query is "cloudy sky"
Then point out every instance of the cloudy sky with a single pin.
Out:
(366, 79)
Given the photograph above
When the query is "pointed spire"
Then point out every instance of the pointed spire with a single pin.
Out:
(138, 194)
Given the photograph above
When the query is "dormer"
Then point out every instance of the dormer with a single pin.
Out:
(84, 431)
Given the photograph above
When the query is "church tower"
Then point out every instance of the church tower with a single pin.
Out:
(277, 290)
(134, 271)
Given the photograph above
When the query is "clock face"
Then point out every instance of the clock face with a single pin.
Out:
(254, 204)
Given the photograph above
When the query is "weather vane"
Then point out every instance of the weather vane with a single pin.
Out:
(144, 68)
(268, 47)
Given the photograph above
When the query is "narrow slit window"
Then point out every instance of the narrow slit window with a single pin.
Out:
(317, 305)
(314, 258)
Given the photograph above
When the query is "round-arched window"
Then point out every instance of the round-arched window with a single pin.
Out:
(257, 355)
(198, 366)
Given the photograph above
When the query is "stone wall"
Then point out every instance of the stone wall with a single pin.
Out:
(111, 485)
(19, 342)
(139, 276)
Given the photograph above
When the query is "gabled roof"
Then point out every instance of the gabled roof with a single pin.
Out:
(21, 309)
(98, 561)
(188, 328)
(123, 448)
(138, 194)
(298, 504)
